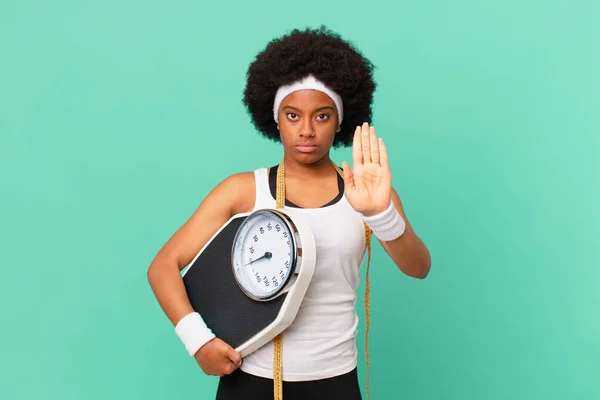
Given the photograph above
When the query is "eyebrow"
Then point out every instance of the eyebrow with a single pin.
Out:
(318, 109)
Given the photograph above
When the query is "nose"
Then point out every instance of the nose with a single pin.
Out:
(306, 129)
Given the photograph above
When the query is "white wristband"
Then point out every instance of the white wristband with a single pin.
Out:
(387, 225)
(193, 332)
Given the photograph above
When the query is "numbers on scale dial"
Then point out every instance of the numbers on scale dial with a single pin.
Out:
(267, 237)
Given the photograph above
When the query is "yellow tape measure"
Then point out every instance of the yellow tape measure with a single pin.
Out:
(278, 341)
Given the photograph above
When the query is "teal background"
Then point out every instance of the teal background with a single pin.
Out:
(118, 117)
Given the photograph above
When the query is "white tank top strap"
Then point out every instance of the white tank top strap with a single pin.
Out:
(263, 192)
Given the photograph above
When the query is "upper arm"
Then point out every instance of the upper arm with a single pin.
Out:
(233, 195)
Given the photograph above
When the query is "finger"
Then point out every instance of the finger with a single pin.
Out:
(356, 148)
(364, 139)
(229, 368)
(374, 146)
(348, 176)
(212, 371)
(383, 155)
(234, 356)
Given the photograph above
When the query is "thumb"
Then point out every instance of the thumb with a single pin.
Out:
(348, 175)
(234, 356)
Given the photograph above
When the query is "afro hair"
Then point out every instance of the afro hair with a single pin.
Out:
(322, 53)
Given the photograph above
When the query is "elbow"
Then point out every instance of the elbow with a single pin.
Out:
(425, 266)
(152, 274)
(423, 271)
(420, 272)
(155, 272)
(163, 266)
(420, 269)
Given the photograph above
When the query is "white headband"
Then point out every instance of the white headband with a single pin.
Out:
(310, 82)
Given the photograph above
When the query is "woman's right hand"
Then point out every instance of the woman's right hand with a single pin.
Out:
(218, 358)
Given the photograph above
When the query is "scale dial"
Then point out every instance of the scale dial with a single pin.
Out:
(265, 254)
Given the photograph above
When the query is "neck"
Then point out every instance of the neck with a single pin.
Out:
(300, 170)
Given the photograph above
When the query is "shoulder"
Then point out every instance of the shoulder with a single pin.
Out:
(241, 188)
(239, 178)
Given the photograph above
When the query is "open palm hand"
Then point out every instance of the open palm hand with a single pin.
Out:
(368, 183)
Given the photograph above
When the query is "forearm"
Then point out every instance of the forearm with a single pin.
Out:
(166, 282)
(399, 240)
(410, 254)
(165, 279)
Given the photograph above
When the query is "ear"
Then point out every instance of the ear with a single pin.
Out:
(339, 128)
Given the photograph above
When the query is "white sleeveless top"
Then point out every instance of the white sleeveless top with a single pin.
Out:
(321, 342)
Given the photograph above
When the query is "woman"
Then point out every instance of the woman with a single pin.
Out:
(311, 91)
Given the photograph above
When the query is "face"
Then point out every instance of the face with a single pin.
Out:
(307, 125)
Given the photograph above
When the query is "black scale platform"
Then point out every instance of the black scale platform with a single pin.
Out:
(216, 296)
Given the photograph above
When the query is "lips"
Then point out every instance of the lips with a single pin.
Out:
(306, 147)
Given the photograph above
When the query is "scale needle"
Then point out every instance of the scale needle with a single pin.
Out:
(267, 255)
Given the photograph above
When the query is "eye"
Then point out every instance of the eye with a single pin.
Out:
(323, 117)
(292, 116)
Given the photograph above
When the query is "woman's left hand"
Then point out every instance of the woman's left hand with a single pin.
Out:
(368, 185)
